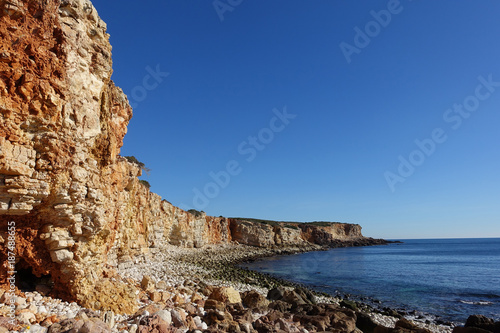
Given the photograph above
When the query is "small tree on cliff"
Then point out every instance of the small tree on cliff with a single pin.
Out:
(133, 159)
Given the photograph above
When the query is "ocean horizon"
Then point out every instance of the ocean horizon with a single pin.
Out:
(444, 279)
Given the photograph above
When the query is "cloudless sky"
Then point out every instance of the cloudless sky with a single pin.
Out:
(354, 122)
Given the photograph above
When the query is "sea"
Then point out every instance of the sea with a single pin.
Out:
(439, 279)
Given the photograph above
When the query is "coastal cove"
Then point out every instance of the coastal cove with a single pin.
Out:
(436, 279)
(92, 241)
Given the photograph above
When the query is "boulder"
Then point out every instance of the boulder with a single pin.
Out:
(177, 318)
(280, 305)
(153, 324)
(221, 319)
(306, 295)
(66, 325)
(344, 320)
(276, 294)
(161, 285)
(253, 299)
(38, 329)
(212, 304)
(365, 323)
(5, 324)
(94, 325)
(164, 315)
(292, 297)
(155, 296)
(480, 321)
(406, 324)
(320, 323)
(478, 324)
(26, 317)
(226, 295)
(349, 305)
(147, 283)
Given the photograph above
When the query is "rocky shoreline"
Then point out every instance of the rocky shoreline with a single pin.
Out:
(202, 290)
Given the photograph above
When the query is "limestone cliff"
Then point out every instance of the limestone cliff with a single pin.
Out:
(78, 206)
(264, 233)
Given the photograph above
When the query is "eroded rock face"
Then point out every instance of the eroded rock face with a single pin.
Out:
(326, 235)
(62, 123)
(286, 233)
(78, 206)
(246, 232)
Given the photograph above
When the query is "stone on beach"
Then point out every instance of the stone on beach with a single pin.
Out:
(147, 283)
(253, 299)
(478, 324)
(226, 295)
(153, 324)
(165, 315)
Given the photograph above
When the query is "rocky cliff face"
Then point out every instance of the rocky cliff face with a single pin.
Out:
(271, 233)
(326, 234)
(78, 206)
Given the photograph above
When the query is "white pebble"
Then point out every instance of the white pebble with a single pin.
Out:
(165, 316)
(20, 301)
(200, 311)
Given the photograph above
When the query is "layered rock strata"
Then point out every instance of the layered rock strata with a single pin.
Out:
(78, 206)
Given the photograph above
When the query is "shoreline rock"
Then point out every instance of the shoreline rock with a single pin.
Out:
(478, 324)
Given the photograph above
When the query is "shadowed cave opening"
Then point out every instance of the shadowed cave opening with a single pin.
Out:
(26, 281)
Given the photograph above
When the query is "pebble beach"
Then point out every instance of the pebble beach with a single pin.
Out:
(202, 290)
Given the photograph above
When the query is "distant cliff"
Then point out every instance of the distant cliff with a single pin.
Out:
(265, 233)
(78, 207)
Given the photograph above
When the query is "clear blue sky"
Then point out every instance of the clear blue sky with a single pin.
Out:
(364, 80)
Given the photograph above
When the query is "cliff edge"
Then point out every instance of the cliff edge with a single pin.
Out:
(78, 207)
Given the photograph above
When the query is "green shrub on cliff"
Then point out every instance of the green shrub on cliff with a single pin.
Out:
(195, 212)
(268, 222)
(287, 224)
(145, 183)
(133, 159)
(322, 223)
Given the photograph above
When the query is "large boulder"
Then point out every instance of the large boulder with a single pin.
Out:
(153, 323)
(254, 300)
(226, 295)
(478, 324)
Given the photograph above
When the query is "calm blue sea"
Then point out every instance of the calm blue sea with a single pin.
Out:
(450, 278)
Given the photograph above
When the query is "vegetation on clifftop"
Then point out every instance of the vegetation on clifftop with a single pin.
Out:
(145, 183)
(195, 212)
(287, 224)
(133, 159)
